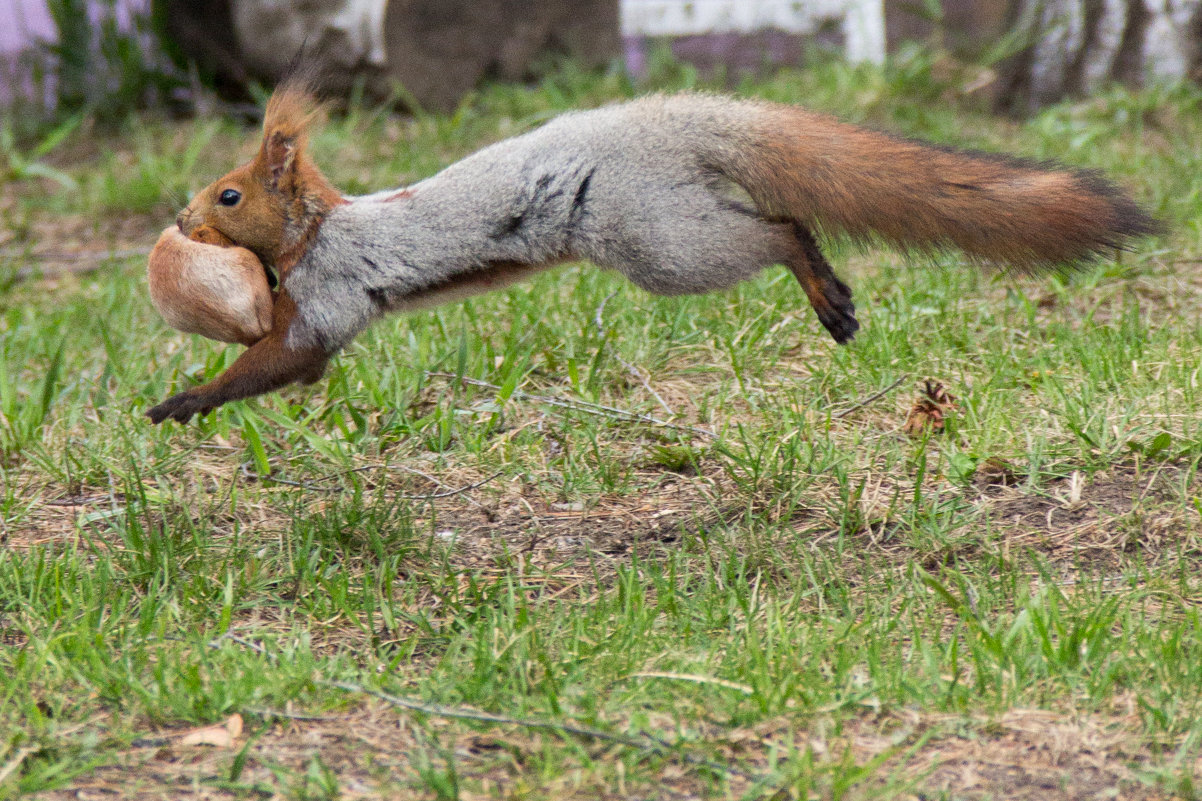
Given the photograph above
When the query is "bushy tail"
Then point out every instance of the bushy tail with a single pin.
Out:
(815, 169)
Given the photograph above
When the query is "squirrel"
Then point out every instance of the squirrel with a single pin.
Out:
(682, 193)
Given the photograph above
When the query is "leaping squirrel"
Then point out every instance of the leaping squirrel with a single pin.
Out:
(680, 193)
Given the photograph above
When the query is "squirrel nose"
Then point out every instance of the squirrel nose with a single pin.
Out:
(179, 221)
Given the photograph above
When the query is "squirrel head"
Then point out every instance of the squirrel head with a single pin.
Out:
(271, 204)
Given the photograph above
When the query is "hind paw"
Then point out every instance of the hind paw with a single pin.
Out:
(840, 320)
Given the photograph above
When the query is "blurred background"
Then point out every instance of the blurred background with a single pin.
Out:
(111, 56)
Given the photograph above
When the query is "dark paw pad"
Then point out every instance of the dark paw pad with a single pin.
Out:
(838, 313)
(840, 322)
(180, 408)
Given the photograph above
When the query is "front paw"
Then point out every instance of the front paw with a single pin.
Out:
(180, 407)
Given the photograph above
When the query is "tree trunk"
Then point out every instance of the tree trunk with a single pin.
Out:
(1065, 48)
(437, 50)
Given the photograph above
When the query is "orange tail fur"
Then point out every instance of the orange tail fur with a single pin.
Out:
(917, 196)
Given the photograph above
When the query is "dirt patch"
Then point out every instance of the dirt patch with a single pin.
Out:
(1098, 518)
(282, 756)
(548, 531)
(1101, 520)
(374, 751)
(1022, 754)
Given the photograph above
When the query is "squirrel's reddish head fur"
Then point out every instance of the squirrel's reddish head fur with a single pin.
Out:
(271, 204)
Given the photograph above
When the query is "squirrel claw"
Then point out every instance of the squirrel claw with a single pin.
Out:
(840, 320)
(180, 408)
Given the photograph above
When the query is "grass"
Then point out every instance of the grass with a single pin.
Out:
(809, 604)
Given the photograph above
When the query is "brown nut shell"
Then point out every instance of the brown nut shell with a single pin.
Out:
(204, 288)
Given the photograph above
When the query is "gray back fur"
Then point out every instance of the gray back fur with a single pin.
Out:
(636, 187)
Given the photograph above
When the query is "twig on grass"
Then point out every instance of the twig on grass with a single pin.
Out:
(245, 643)
(579, 406)
(454, 491)
(215, 643)
(14, 763)
(435, 481)
(598, 317)
(644, 742)
(287, 482)
(266, 712)
(690, 677)
(599, 321)
(871, 398)
(309, 485)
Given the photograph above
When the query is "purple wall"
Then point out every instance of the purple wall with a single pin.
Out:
(23, 23)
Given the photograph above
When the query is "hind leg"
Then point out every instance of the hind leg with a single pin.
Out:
(702, 242)
(830, 297)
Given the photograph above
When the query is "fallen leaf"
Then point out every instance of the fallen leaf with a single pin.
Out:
(219, 735)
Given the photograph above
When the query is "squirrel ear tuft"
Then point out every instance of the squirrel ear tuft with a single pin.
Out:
(290, 111)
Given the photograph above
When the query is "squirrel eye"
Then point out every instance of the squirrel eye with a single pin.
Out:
(230, 197)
